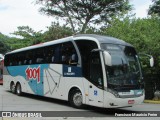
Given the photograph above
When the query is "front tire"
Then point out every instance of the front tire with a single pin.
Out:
(76, 99)
(18, 89)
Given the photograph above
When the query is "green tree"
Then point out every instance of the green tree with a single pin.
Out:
(81, 13)
(28, 35)
(3, 46)
(16, 43)
(55, 31)
(155, 8)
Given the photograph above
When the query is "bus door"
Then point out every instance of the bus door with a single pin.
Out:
(96, 80)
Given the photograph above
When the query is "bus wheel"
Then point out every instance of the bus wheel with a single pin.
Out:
(18, 89)
(76, 99)
(12, 87)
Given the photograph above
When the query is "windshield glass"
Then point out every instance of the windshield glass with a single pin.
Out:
(125, 72)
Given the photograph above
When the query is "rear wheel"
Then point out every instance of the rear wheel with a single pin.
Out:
(12, 87)
(76, 99)
(18, 89)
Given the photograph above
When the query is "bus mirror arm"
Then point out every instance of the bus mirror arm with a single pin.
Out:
(151, 60)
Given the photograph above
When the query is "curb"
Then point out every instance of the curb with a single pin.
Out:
(152, 101)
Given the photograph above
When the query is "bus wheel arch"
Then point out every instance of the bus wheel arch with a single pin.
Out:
(18, 89)
(75, 97)
(12, 87)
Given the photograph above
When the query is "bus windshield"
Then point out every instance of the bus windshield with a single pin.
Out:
(125, 71)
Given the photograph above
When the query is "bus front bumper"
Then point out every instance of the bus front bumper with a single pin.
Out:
(110, 101)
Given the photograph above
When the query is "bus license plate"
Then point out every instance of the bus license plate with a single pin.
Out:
(131, 101)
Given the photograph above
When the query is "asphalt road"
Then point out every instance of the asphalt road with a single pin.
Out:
(62, 110)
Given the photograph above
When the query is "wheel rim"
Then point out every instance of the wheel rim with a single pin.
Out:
(77, 99)
(18, 89)
(13, 88)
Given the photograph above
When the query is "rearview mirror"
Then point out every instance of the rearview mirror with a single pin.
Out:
(107, 58)
(106, 55)
(151, 60)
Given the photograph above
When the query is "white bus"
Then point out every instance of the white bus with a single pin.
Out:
(83, 69)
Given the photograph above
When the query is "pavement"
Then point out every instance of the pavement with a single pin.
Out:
(152, 101)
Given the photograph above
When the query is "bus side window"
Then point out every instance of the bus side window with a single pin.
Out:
(39, 55)
(73, 58)
(57, 54)
(52, 59)
(39, 60)
(51, 54)
(19, 63)
(27, 57)
(69, 55)
(25, 62)
(64, 53)
(7, 61)
(14, 60)
(20, 57)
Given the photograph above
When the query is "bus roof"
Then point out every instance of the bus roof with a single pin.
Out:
(99, 38)
(105, 39)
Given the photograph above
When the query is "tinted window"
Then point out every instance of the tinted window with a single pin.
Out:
(68, 54)
(64, 53)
